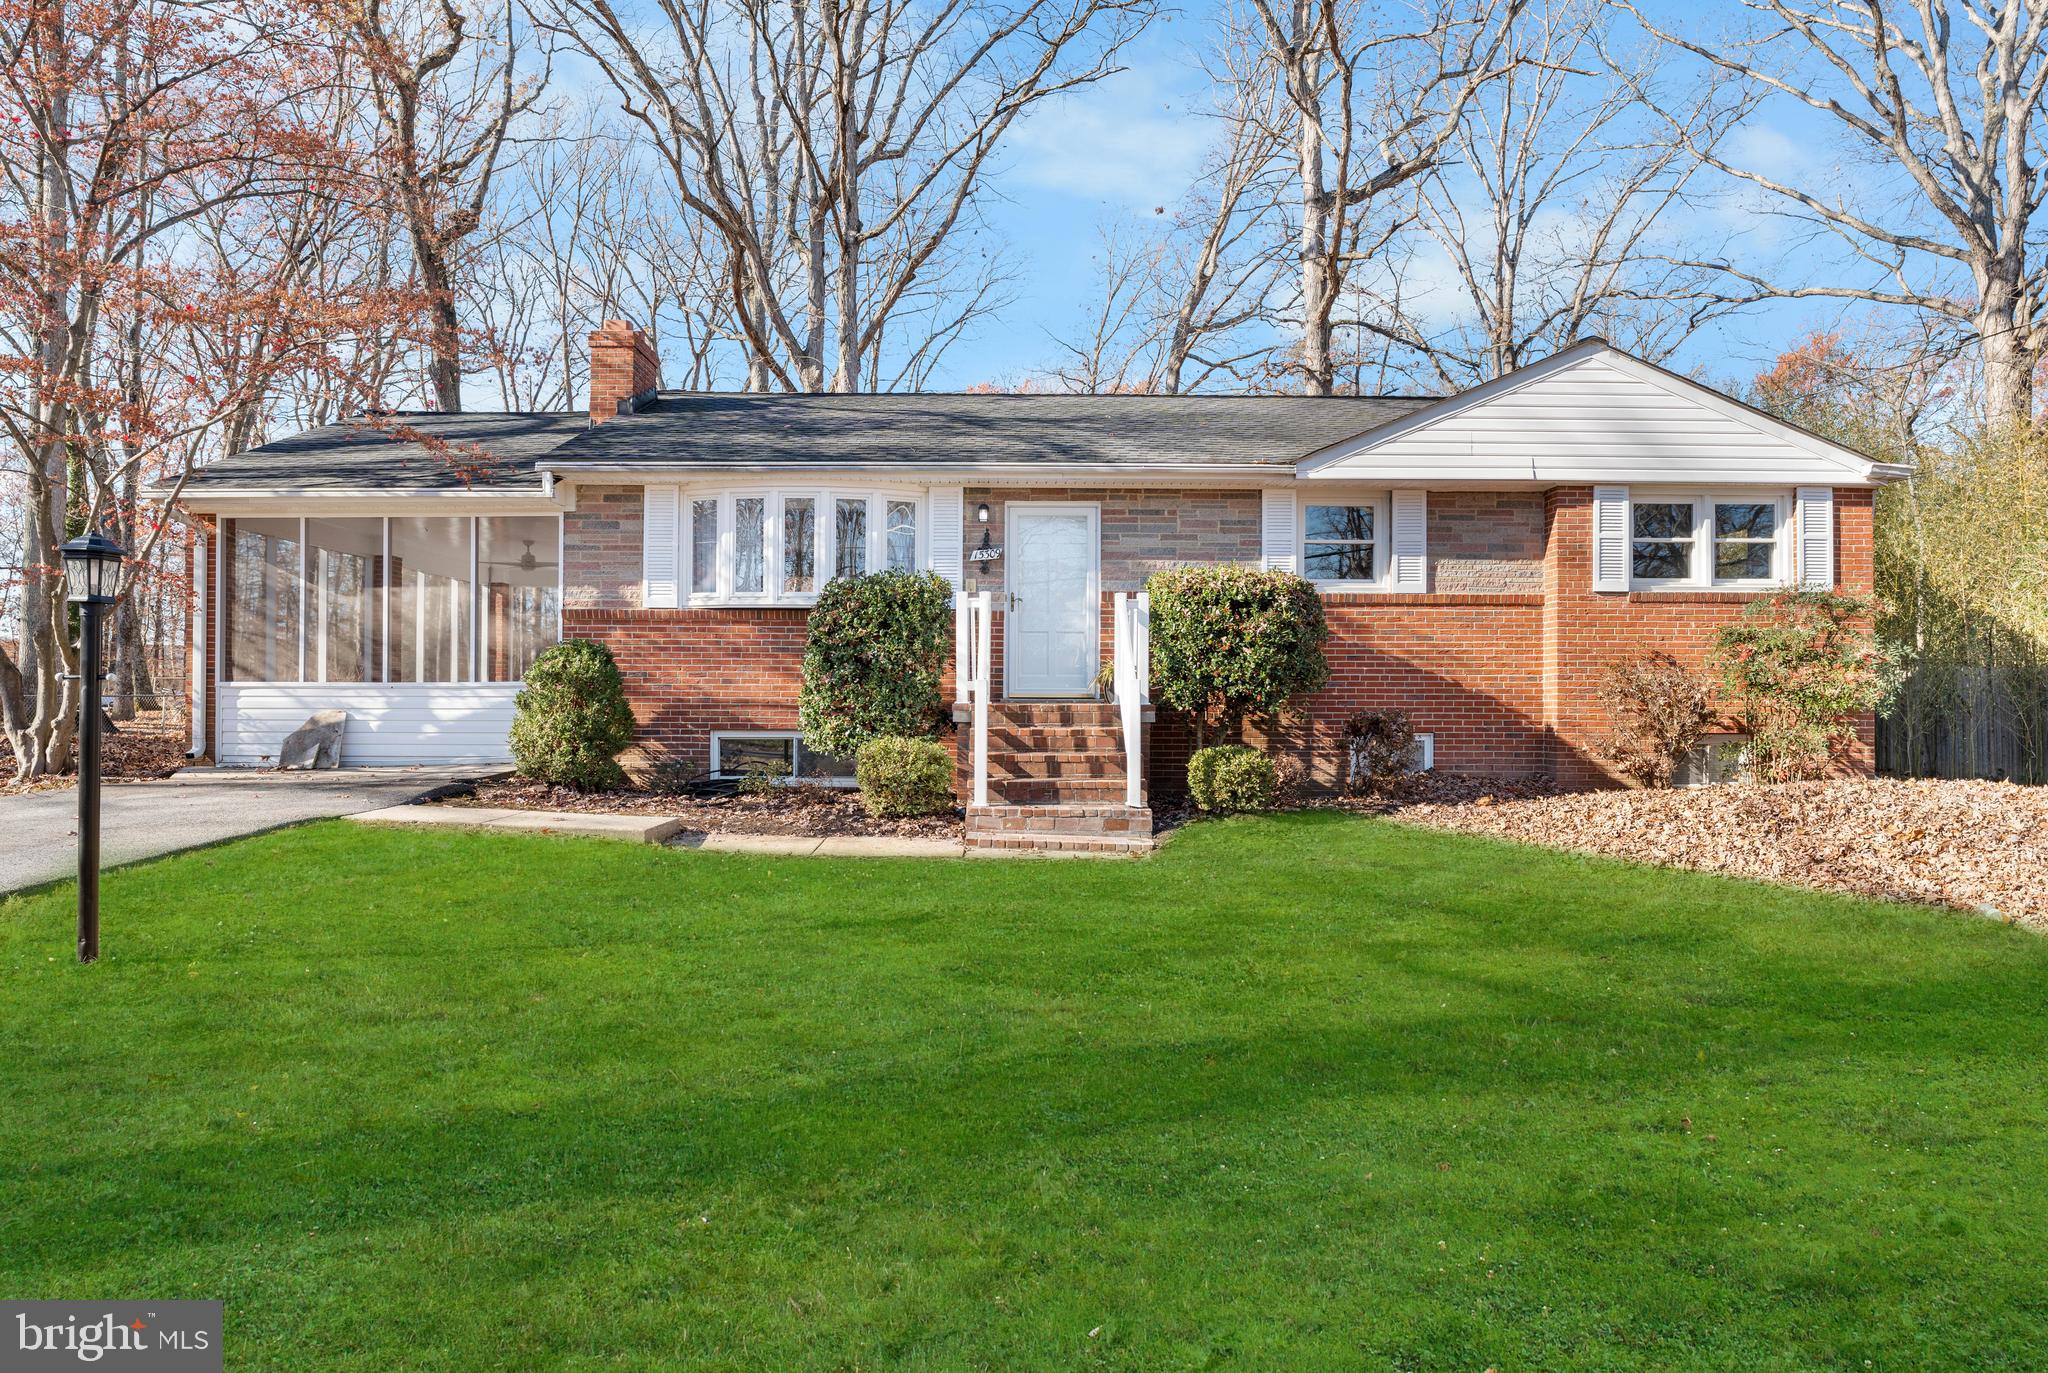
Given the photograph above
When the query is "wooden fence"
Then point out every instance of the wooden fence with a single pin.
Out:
(1960, 720)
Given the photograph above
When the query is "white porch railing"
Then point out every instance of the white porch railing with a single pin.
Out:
(972, 639)
(1131, 677)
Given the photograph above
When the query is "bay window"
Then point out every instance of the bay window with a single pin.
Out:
(373, 600)
(1698, 540)
(765, 547)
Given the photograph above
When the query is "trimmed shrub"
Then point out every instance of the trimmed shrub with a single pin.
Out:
(901, 776)
(873, 660)
(1660, 710)
(1231, 777)
(1229, 641)
(1798, 669)
(571, 719)
(1379, 749)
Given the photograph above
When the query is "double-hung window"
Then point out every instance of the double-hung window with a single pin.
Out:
(778, 546)
(1343, 541)
(1736, 540)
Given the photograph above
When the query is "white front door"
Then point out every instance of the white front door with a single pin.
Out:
(1052, 642)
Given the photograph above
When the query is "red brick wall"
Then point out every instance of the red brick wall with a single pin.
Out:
(623, 367)
(1585, 630)
(689, 672)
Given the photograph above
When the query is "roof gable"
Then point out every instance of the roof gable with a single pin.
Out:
(1593, 413)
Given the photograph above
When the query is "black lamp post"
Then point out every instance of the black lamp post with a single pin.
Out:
(92, 569)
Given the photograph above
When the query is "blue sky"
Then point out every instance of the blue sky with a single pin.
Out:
(1134, 141)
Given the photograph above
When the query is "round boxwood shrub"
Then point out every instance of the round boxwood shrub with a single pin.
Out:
(872, 662)
(1229, 641)
(900, 776)
(571, 718)
(1232, 777)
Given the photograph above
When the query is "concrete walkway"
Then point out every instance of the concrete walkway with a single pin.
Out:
(657, 829)
(196, 806)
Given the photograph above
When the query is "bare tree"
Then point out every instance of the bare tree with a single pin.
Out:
(445, 101)
(836, 150)
(1550, 207)
(1374, 95)
(1946, 96)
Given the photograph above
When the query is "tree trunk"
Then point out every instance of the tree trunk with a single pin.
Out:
(1318, 292)
(2008, 370)
(444, 339)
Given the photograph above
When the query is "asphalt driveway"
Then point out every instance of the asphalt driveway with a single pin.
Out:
(39, 831)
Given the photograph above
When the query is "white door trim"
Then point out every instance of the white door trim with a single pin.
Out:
(1093, 510)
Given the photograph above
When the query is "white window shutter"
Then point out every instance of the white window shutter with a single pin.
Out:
(1816, 551)
(1276, 531)
(659, 542)
(1410, 541)
(1610, 538)
(949, 515)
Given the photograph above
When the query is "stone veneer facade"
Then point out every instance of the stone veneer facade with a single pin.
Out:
(1500, 660)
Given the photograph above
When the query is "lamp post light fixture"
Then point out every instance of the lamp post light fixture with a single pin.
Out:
(92, 569)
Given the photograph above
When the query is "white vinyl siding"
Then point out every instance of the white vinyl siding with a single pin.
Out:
(1604, 418)
(389, 725)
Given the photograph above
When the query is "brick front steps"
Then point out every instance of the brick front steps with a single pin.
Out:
(1056, 783)
(1080, 827)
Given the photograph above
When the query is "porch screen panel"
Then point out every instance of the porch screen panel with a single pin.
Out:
(265, 568)
(519, 568)
(344, 607)
(430, 600)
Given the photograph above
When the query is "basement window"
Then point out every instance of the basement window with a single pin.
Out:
(1719, 758)
(775, 755)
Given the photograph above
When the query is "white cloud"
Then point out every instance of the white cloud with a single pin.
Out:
(1132, 139)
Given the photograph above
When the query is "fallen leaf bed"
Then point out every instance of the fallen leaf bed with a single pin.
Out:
(802, 810)
(149, 746)
(1980, 846)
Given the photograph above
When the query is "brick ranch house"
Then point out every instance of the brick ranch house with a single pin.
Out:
(1483, 556)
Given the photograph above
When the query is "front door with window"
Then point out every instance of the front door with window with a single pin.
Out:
(1052, 639)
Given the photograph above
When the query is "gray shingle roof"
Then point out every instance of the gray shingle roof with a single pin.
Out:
(1050, 430)
(711, 430)
(408, 451)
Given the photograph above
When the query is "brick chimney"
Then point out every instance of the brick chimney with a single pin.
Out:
(624, 372)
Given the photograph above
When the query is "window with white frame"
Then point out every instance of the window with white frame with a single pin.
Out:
(1720, 540)
(776, 756)
(769, 546)
(1342, 541)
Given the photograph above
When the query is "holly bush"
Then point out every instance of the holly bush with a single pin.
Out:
(1228, 641)
(873, 661)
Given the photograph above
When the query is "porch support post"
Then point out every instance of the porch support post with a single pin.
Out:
(982, 644)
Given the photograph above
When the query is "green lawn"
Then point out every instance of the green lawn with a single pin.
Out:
(1297, 1093)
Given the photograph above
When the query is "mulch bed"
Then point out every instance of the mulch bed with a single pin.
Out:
(809, 811)
(147, 747)
(1978, 846)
